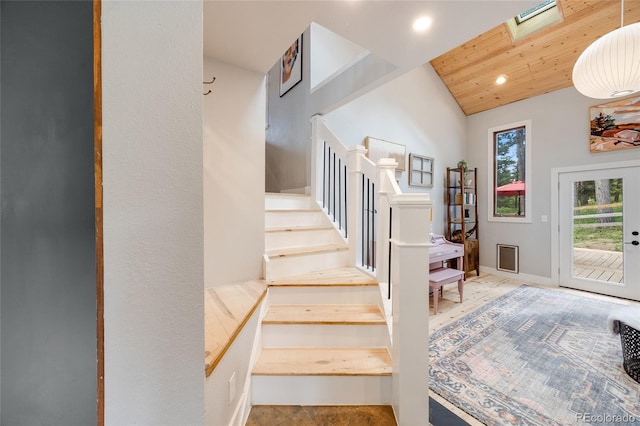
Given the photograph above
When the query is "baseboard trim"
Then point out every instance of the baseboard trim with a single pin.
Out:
(304, 190)
(525, 277)
(241, 413)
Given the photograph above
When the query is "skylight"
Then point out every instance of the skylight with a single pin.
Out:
(536, 10)
(528, 22)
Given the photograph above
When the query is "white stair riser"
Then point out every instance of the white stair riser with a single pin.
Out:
(280, 218)
(285, 202)
(320, 335)
(301, 238)
(278, 267)
(314, 390)
(309, 295)
(321, 390)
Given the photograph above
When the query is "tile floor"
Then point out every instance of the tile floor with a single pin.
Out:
(289, 415)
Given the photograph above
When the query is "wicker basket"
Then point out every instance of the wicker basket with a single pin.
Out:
(630, 338)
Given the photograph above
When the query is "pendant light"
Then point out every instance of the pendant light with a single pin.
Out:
(610, 66)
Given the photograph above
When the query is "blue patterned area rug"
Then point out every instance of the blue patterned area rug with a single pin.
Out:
(535, 357)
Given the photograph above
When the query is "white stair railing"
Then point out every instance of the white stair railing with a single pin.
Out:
(388, 233)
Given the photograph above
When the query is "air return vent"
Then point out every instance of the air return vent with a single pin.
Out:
(507, 258)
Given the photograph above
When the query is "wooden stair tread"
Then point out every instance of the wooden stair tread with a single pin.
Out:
(301, 251)
(324, 314)
(299, 228)
(285, 210)
(227, 309)
(323, 362)
(347, 276)
(285, 194)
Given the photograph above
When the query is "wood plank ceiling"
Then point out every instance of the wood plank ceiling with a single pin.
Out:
(534, 65)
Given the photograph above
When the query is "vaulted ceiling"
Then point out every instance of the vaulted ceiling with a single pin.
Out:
(252, 34)
(539, 63)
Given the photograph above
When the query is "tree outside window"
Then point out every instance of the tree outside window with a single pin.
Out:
(510, 172)
(509, 176)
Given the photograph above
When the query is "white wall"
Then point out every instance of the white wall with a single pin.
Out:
(330, 54)
(431, 124)
(153, 212)
(560, 129)
(219, 409)
(234, 164)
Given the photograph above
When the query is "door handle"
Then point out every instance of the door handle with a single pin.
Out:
(634, 242)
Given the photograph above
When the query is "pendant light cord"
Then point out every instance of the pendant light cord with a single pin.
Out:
(621, 13)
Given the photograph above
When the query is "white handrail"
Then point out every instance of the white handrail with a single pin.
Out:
(332, 140)
(362, 164)
(367, 167)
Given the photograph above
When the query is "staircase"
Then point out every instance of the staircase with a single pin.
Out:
(325, 340)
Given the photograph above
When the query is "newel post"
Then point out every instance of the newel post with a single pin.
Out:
(410, 299)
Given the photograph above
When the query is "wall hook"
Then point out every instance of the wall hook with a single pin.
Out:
(208, 82)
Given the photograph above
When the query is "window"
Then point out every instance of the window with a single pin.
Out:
(542, 16)
(536, 10)
(509, 173)
(421, 170)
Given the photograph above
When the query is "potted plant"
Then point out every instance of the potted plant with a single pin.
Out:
(462, 164)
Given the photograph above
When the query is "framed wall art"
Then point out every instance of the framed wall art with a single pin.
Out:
(420, 170)
(291, 66)
(379, 148)
(615, 125)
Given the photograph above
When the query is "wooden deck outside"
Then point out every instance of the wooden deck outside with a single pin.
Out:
(600, 265)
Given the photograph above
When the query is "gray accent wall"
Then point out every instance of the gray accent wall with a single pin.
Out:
(47, 231)
(287, 150)
(0, 212)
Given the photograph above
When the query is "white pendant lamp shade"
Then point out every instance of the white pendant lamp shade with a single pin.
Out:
(610, 67)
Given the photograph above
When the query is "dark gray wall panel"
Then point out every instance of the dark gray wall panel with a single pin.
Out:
(0, 213)
(47, 257)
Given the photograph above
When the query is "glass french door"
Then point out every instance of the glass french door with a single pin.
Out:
(599, 231)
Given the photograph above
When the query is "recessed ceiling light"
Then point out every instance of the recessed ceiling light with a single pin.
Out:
(501, 79)
(422, 23)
